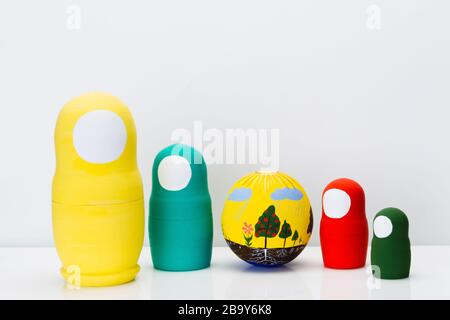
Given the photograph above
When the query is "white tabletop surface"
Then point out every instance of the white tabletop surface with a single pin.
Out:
(32, 273)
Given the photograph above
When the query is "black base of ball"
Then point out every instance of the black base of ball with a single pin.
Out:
(270, 257)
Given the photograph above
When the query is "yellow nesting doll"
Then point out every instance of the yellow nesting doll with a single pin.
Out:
(98, 207)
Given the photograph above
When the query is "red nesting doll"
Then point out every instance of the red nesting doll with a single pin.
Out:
(344, 232)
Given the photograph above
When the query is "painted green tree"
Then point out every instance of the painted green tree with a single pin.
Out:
(295, 236)
(286, 232)
(311, 221)
(268, 225)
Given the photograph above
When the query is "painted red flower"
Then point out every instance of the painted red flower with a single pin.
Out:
(247, 228)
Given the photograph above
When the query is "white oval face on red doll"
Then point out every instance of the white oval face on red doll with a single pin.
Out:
(336, 203)
(99, 136)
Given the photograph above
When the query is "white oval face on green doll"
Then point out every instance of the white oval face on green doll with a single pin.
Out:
(382, 227)
(99, 136)
(174, 173)
(336, 203)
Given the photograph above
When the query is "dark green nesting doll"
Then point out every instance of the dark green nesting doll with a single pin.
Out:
(391, 249)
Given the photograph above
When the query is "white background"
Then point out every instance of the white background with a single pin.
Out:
(349, 101)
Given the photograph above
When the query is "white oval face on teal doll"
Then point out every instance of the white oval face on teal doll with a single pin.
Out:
(174, 173)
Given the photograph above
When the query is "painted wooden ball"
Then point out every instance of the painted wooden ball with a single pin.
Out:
(267, 219)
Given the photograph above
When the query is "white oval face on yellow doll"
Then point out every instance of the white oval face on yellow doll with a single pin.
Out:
(267, 218)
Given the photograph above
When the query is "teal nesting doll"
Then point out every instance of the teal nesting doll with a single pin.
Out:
(391, 249)
(180, 216)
